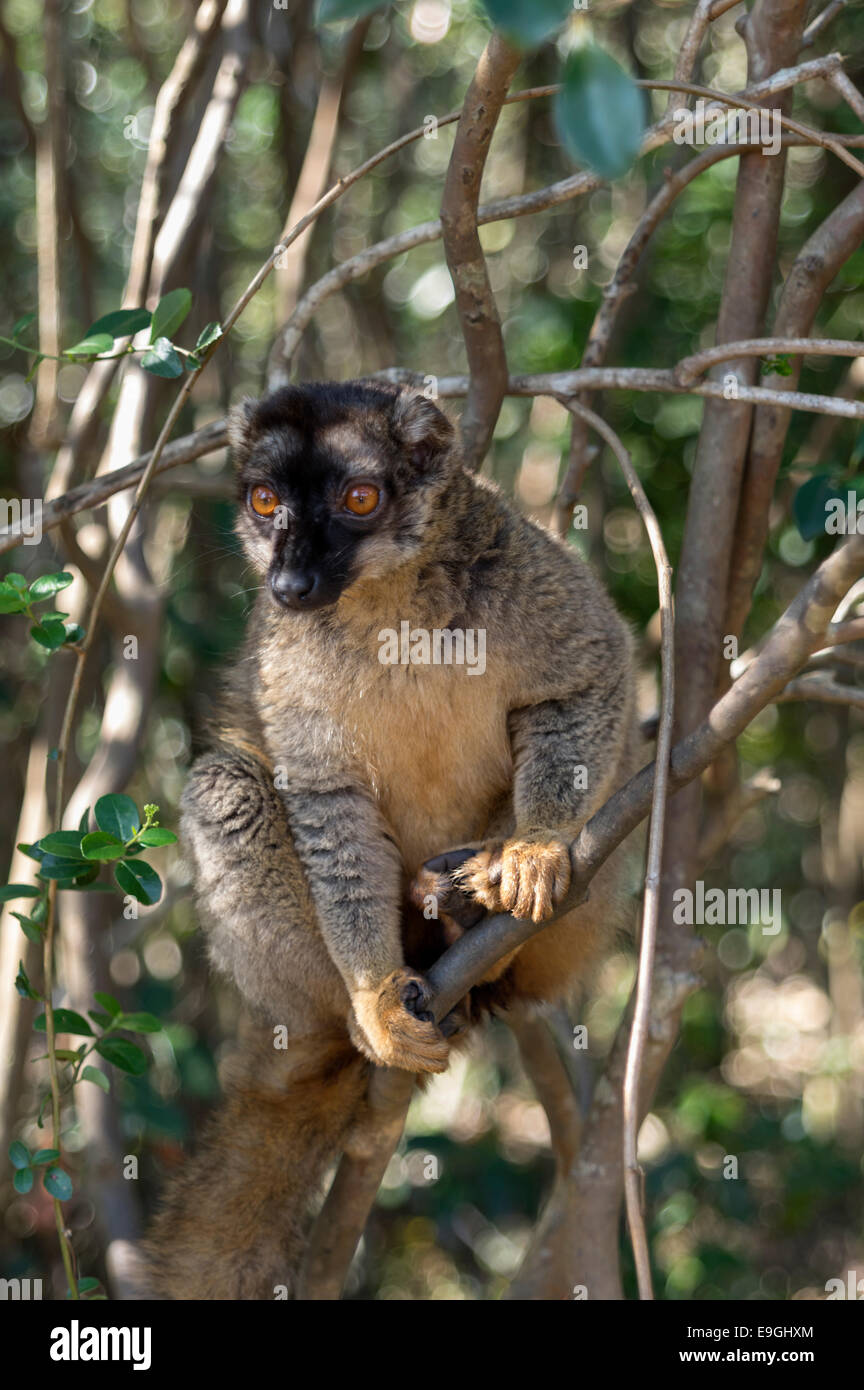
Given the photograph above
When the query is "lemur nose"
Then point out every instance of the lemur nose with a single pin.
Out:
(293, 586)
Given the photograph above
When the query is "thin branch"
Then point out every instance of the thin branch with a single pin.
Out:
(822, 20)
(475, 302)
(848, 91)
(568, 383)
(851, 631)
(552, 1084)
(174, 233)
(817, 688)
(172, 100)
(642, 1009)
(342, 1219)
(170, 104)
(814, 268)
(560, 384)
(692, 367)
(736, 99)
(315, 169)
(523, 204)
(50, 145)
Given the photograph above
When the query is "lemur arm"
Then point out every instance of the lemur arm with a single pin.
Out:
(354, 873)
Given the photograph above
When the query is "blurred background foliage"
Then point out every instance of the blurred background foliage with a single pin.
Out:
(770, 1067)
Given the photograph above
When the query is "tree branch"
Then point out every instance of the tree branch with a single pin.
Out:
(475, 302)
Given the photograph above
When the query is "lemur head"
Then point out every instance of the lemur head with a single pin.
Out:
(337, 482)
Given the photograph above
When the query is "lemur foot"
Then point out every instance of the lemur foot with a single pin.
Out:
(526, 877)
(396, 1027)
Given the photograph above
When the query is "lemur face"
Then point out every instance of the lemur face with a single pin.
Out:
(336, 482)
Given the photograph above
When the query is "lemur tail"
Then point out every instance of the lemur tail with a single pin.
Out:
(233, 1224)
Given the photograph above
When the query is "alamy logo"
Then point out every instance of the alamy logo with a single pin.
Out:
(22, 516)
(76, 1343)
(728, 907)
(727, 127)
(439, 647)
(844, 517)
(20, 1289)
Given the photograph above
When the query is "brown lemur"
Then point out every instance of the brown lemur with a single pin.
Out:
(337, 771)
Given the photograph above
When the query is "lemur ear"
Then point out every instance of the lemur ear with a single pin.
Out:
(421, 426)
(242, 429)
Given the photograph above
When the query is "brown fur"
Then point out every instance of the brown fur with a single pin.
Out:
(334, 777)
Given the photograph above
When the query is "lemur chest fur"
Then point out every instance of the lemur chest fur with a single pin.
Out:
(436, 747)
(430, 741)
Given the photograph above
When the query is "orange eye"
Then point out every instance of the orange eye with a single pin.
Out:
(361, 499)
(263, 500)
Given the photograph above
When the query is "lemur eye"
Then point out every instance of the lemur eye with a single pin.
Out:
(263, 500)
(361, 499)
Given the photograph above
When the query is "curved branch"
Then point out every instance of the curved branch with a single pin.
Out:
(651, 904)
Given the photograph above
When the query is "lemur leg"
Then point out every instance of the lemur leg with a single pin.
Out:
(234, 1221)
(253, 893)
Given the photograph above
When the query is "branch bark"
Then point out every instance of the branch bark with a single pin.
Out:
(475, 302)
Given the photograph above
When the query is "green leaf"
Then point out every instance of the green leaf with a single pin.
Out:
(48, 584)
(87, 1285)
(23, 1180)
(329, 11)
(59, 1184)
(23, 985)
(141, 1023)
(781, 365)
(10, 600)
(16, 581)
(21, 325)
(156, 836)
(208, 335)
(139, 879)
(50, 635)
(45, 1156)
(808, 506)
(100, 845)
(162, 359)
(19, 1154)
(108, 1002)
(65, 844)
(600, 112)
(169, 314)
(91, 346)
(75, 632)
(118, 815)
(84, 822)
(30, 929)
(65, 1054)
(101, 1020)
(19, 890)
(529, 22)
(121, 323)
(97, 1077)
(32, 851)
(125, 1055)
(75, 870)
(65, 1021)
